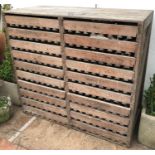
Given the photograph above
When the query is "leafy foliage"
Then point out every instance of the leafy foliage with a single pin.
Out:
(150, 97)
(6, 71)
(3, 101)
(5, 110)
(6, 7)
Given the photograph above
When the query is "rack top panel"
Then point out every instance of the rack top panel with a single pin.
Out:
(123, 15)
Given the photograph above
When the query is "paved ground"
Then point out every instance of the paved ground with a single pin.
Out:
(6, 145)
(42, 134)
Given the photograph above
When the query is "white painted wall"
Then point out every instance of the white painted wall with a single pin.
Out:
(125, 4)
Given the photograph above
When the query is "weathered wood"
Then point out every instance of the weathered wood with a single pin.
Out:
(37, 58)
(100, 114)
(98, 122)
(43, 98)
(44, 106)
(104, 14)
(32, 21)
(101, 132)
(99, 91)
(34, 34)
(97, 104)
(140, 70)
(101, 70)
(41, 89)
(61, 27)
(45, 114)
(100, 81)
(36, 47)
(85, 41)
(109, 95)
(40, 79)
(101, 28)
(101, 57)
(49, 71)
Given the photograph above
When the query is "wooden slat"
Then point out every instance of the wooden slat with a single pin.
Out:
(85, 41)
(101, 70)
(37, 58)
(43, 106)
(101, 28)
(99, 81)
(100, 57)
(99, 122)
(102, 105)
(33, 46)
(32, 21)
(38, 68)
(45, 114)
(100, 114)
(101, 132)
(43, 98)
(109, 95)
(41, 89)
(34, 34)
(127, 16)
(40, 79)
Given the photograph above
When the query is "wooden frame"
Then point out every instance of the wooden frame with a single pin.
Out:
(84, 70)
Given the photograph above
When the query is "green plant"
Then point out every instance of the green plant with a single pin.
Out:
(6, 71)
(5, 109)
(7, 7)
(150, 97)
(3, 101)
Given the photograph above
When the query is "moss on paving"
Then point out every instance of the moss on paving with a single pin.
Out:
(4, 109)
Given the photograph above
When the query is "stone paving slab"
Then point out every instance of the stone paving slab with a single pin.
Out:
(43, 134)
(6, 145)
(12, 126)
(48, 135)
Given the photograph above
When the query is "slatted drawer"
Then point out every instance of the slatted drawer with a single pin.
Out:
(36, 50)
(100, 71)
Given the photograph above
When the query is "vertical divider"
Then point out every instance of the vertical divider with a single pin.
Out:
(61, 29)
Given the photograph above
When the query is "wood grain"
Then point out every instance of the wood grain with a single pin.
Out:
(32, 21)
(109, 95)
(43, 98)
(40, 79)
(34, 34)
(101, 28)
(101, 70)
(49, 71)
(100, 57)
(104, 14)
(100, 114)
(41, 89)
(85, 41)
(97, 104)
(98, 122)
(37, 58)
(44, 106)
(45, 114)
(101, 132)
(100, 81)
(38, 47)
